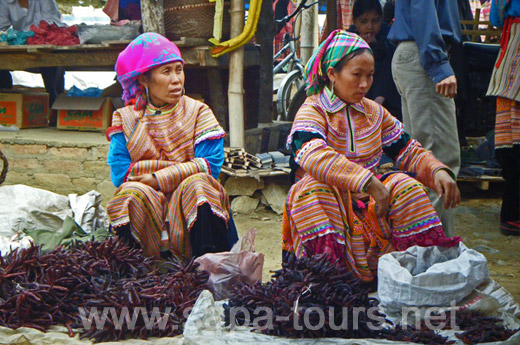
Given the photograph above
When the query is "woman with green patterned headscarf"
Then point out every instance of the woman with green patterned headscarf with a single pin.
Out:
(339, 204)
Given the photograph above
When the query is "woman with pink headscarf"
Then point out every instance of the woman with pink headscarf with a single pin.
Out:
(166, 151)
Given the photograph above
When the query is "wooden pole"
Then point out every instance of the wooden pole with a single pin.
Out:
(152, 16)
(332, 16)
(309, 38)
(236, 79)
(265, 36)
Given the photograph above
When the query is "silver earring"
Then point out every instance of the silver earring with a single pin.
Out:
(332, 87)
(183, 91)
(147, 96)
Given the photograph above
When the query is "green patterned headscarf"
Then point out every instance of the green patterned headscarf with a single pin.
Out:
(339, 44)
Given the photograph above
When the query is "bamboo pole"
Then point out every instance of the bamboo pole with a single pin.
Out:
(152, 15)
(236, 79)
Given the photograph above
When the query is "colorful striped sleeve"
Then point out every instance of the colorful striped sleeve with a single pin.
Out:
(170, 177)
(391, 128)
(415, 158)
(328, 166)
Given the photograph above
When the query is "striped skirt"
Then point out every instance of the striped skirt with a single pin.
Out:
(505, 79)
(507, 123)
(162, 221)
(319, 218)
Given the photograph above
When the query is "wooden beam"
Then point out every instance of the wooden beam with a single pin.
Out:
(265, 36)
(152, 16)
(101, 56)
(217, 100)
(332, 16)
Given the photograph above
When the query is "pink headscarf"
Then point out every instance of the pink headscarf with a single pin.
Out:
(144, 53)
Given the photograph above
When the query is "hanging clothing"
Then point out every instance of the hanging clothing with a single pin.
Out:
(182, 145)
(343, 17)
(337, 147)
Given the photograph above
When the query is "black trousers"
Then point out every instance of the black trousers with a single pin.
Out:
(209, 234)
(509, 160)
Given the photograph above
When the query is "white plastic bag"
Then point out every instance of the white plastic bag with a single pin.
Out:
(240, 265)
(429, 276)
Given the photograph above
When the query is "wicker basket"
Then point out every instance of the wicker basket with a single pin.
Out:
(193, 18)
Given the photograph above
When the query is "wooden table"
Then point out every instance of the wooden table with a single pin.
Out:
(103, 56)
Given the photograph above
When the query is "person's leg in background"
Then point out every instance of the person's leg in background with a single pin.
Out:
(6, 80)
(507, 154)
(428, 117)
(509, 160)
(54, 81)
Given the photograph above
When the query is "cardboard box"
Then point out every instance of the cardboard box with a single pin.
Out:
(24, 109)
(83, 113)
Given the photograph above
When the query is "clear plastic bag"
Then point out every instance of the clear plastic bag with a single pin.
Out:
(240, 265)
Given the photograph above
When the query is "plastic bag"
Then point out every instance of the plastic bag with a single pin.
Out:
(240, 265)
(95, 34)
(429, 276)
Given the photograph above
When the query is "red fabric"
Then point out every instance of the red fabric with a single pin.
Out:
(327, 244)
(46, 33)
(432, 237)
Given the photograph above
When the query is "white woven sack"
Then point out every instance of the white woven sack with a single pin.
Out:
(429, 276)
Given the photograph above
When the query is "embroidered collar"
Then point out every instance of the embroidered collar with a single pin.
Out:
(164, 110)
(332, 104)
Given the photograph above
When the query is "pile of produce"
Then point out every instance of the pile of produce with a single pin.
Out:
(308, 288)
(312, 297)
(134, 296)
(479, 328)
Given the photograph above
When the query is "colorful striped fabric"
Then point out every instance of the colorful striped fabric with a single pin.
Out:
(507, 123)
(339, 44)
(161, 141)
(505, 79)
(319, 213)
(343, 19)
(147, 51)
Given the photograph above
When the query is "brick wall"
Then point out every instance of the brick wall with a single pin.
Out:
(58, 168)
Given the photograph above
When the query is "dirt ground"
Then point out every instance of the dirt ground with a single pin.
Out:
(477, 222)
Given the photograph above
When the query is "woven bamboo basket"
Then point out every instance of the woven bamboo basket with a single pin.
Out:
(193, 18)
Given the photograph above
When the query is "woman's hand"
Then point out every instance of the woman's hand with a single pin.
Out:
(447, 187)
(147, 179)
(381, 195)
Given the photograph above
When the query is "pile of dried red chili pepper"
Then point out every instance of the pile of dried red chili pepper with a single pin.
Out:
(66, 286)
(312, 297)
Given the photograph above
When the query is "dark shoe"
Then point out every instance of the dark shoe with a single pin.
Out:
(510, 228)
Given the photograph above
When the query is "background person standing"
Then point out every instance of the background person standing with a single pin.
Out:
(21, 14)
(425, 30)
(505, 85)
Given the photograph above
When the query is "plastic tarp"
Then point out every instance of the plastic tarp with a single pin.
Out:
(60, 336)
(29, 208)
(204, 326)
